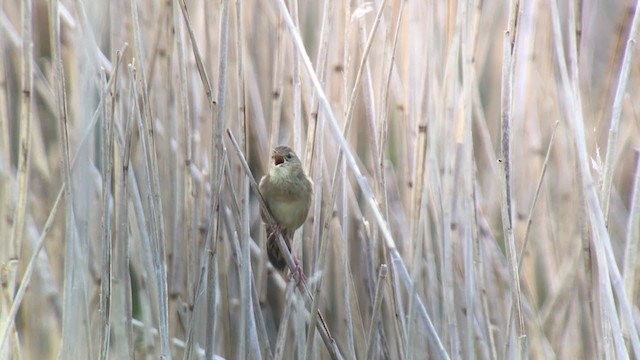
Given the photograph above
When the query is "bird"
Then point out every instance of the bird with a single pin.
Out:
(287, 192)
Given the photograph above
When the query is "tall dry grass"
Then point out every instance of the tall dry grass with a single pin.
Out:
(476, 170)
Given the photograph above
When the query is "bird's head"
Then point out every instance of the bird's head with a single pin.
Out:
(283, 156)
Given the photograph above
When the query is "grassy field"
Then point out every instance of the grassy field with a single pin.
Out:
(476, 169)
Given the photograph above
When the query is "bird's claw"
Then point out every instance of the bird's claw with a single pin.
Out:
(297, 274)
(277, 229)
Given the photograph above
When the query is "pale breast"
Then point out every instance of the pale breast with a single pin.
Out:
(290, 213)
(287, 192)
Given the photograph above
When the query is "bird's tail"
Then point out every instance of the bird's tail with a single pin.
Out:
(273, 250)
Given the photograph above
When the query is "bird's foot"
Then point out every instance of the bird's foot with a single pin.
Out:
(277, 229)
(297, 274)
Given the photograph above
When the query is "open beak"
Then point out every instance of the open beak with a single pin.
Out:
(277, 158)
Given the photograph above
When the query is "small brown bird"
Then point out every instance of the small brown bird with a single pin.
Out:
(287, 191)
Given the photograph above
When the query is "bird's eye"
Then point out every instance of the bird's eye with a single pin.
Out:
(288, 156)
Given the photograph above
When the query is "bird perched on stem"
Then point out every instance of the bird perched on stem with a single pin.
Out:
(287, 192)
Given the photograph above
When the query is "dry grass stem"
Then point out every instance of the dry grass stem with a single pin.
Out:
(472, 198)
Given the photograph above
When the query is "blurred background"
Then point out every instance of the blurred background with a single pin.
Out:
(477, 183)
